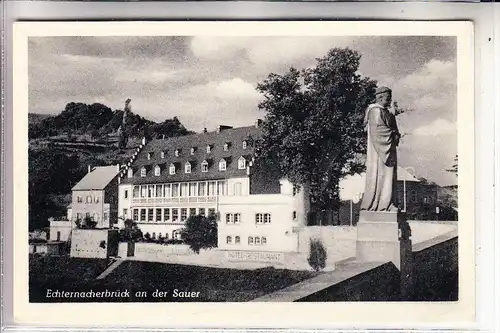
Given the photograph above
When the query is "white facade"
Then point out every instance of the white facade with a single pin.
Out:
(263, 222)
(61, 230)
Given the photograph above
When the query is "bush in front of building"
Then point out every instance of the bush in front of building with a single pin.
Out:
(131, 232)
(200, 232)
(317, 255)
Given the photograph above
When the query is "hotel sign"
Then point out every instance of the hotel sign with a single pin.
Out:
(256, 256)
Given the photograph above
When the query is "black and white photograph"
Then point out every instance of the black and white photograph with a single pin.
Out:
(243, 168)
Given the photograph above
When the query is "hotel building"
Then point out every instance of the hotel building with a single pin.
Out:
(168, 180)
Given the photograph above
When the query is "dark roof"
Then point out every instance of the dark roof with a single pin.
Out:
(97, 179)
(235, 136)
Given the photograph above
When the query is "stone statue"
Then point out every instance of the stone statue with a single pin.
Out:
(381, 157)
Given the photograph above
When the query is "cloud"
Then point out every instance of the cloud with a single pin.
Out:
(436, 128)
(236, 88)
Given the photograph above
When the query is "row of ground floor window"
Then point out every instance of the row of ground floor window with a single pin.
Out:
(251, 240)
(173, 214)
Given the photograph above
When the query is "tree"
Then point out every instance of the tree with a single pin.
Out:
(200, 232)
(313, 130)
(317, 255)
(454, 167)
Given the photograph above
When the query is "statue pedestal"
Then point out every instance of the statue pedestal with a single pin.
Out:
(383, 236)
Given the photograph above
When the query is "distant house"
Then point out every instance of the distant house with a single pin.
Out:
(96, 196)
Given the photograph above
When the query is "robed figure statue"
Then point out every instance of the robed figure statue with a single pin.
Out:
(381, 157)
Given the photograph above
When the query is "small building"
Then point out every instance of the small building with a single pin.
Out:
(95, 196)
(60, 230)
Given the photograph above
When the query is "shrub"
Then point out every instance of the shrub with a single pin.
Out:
(317, 255)
(200, 232)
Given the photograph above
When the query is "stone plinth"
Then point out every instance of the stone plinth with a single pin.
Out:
(382, 236)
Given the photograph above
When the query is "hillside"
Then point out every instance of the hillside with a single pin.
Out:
(61, 147)
(98, 120)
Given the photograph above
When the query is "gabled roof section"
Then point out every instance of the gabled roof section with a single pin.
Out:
(98, 178)
(215, 139)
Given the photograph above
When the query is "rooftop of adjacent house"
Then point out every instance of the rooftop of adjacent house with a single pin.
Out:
(404, 175)
(227, 143)
(98, 178)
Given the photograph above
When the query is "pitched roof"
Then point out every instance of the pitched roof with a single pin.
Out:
(233, 136)
(405, 175)
(97, 179)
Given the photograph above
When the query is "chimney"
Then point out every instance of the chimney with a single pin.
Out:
(223, 127)
(258, 122)
(89, 169)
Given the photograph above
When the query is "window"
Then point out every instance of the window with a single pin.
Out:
(192, 189)
(150, 191)
(237, 188)
(175, 214)
(158, 214)
(257, 240)
(89, 199)
(222, 187)
(79, 199)
(296, 190)
(242, 163)
(162, 154)
(171, 169)
(150, 214)
(192, 211)
(157, 170)
(237, 240)
(267, 218)
(294, 215)
(233, 218)
(250, 240)
(143, 214)
(226, 146)
(244, 144)
(167, 193)
(150, 155)
(263, 240)
(209, 149)
(136, 191)
(202, 189)
(187, 167)
(229, 240)
(193, 150)
(130, 173)
(184, 190)
(125, 213)
(204, 166)
(183, 214)
(159, 191)
(237, 218)
(229, 218)
(58, 236)
(136, 215)
(222, 165)
(143, 172)
(166, 214)
(177, 152)
(211, 211)
(144, 190)
(259, 218)
(175, 190)
(212, 188)
(202, 211)
(126, 194)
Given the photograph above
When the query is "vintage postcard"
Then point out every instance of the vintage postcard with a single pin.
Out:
(292, 174)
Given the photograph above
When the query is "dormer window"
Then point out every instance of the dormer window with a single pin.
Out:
(204, 166)
(150, 155)
(143, 172)
(222, 165)
(171, 169)
(242, 163)
(177, 152)
(130, 173)
(193, 150)
(157, 170)
(209, 149)
(244, 144)
(227, 145)
(163, 154)
(187, 167)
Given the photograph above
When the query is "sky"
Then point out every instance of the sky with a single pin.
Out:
(208, 81)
